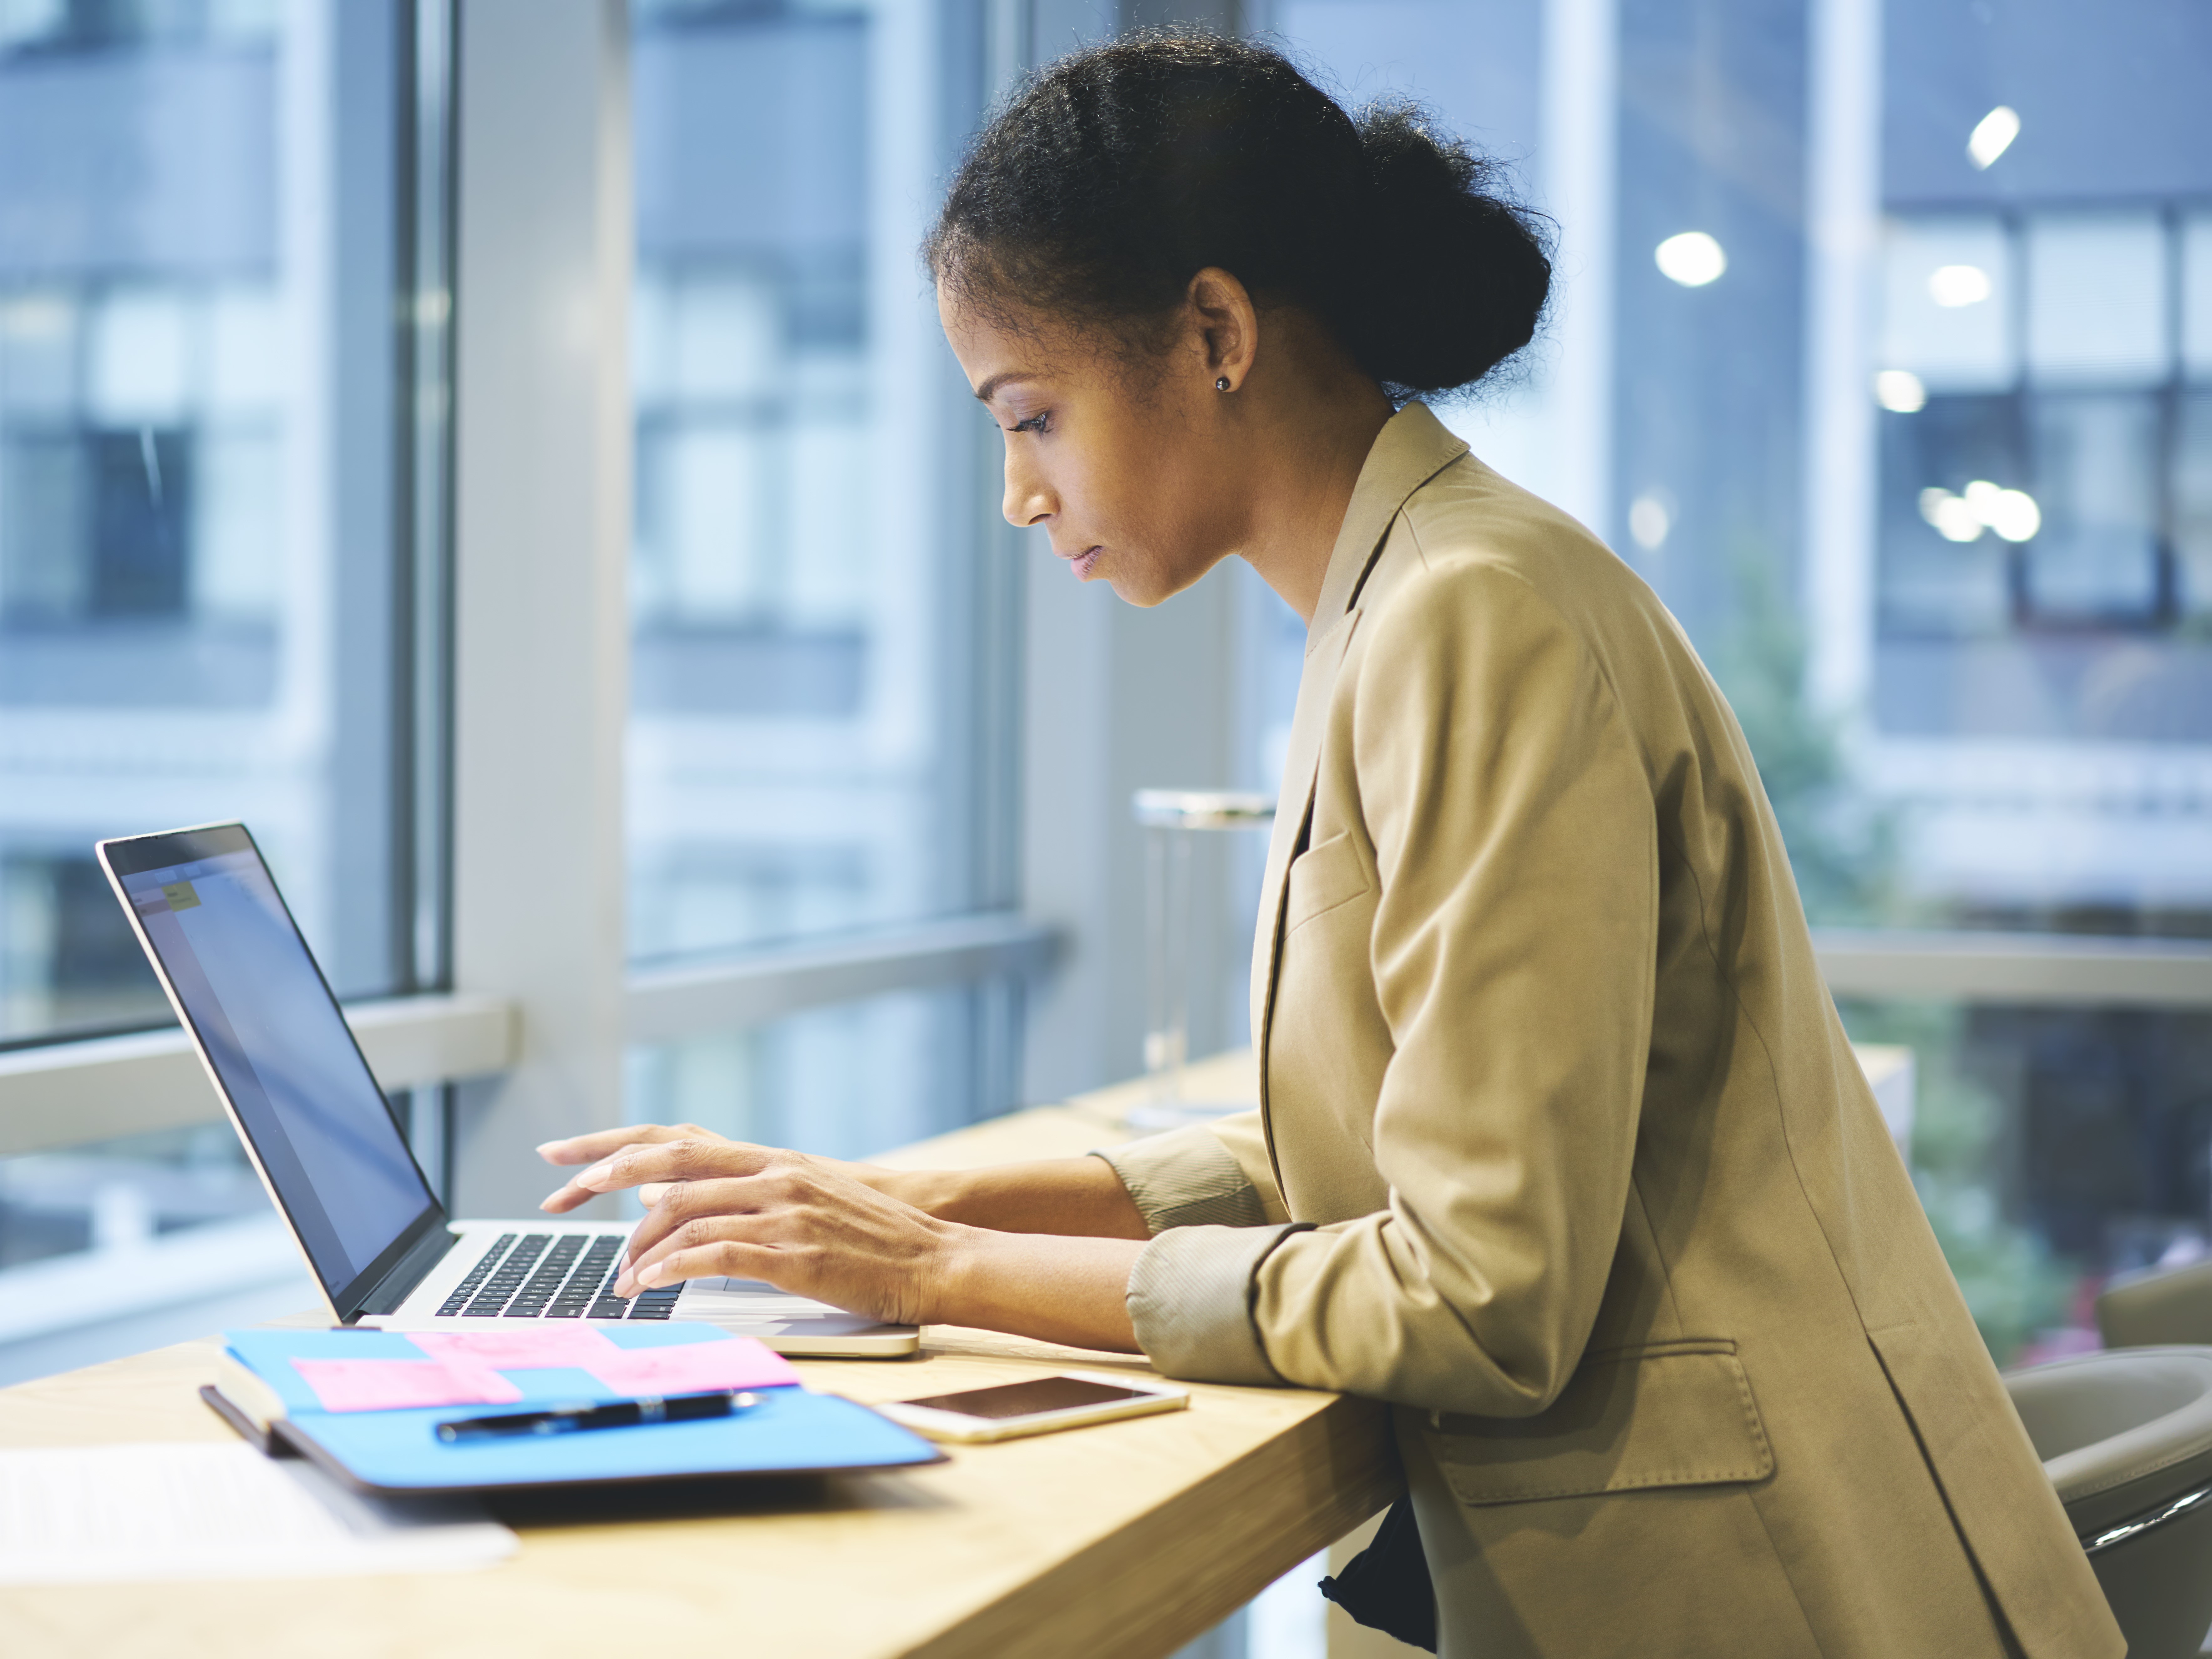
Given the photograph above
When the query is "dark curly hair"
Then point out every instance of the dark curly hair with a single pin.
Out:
(1113, 176)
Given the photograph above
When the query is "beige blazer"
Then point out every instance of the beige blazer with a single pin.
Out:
(1577, 1166)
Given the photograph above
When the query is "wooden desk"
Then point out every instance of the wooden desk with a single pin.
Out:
(1126, 1539)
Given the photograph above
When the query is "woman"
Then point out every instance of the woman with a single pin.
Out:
(1562, 1150)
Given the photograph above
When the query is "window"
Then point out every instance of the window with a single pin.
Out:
(209, 548)
(2070, 410)
(812, 746)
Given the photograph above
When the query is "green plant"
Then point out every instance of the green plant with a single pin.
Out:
(1843, 850)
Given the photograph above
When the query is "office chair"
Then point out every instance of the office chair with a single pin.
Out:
(2126, 1438)
(2158, 1307)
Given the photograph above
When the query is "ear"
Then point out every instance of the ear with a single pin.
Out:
(1227, 322)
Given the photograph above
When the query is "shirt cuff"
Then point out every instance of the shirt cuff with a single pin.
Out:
(1190, 1301)
(1185, 1178)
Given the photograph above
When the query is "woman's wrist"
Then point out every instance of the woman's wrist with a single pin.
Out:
(1070, 1290)
(1079, 1197)
(959, 1275)
(940, 1193)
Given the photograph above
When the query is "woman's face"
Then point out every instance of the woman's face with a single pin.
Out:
(1125, 465)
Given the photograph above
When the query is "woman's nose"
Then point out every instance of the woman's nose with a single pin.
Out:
(1027, 501)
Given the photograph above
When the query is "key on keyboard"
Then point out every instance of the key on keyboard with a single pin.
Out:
(476, 1275)
(508, 1279)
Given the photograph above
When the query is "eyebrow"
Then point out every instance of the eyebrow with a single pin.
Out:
(989, 389)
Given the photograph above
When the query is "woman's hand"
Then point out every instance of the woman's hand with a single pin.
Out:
(816, 1228)
(721, 1208)
(1075, 1197)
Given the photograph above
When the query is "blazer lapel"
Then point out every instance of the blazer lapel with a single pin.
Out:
(1301, 764)
(1412, 448)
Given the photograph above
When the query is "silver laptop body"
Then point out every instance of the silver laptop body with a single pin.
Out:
(323, 1138)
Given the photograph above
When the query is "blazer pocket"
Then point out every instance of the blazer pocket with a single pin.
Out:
(1321, 877)
(1668, 1414)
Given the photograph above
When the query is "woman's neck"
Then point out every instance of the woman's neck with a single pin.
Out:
(1311, 432)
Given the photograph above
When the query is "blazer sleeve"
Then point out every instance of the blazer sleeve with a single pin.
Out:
(1513, 957)
(1211, 1174)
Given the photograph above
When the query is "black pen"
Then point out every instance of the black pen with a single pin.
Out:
(622, 1414)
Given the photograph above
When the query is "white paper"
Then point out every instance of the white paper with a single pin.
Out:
(74, 1515)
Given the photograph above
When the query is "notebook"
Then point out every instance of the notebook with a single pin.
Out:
(328, 1396)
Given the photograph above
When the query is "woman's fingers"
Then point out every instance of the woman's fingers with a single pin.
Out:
(673, 1161)
(661, 1236)
(723, 1259)
(681, 1205)
(589, 1149)
(658, 1161)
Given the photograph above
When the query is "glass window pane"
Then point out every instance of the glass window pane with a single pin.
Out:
(802, 751)
(199, 241)
(849, 1081)
(1947, 303)
(1942, 573)
(2097, 460)
(2196, 296)
(2192, 512)
(2097, 299)
(203, 566)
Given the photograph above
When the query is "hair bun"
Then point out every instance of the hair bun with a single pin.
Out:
(1463, 272)
(1118, 172)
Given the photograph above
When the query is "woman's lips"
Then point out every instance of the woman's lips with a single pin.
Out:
(1081, 562)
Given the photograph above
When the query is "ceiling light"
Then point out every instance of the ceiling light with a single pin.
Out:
(2012, 514)
(1953, 516)
(1953, 286)
(1992, 135)
(1691, 258)
(1649, 521)
(1899, 391)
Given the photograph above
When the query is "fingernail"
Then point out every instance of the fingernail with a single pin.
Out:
(649, 1274)
(597, 1173)
(547, 1146)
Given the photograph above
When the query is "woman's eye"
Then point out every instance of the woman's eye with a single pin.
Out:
(1038, 423)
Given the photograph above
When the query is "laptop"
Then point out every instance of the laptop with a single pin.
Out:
(323, 1141)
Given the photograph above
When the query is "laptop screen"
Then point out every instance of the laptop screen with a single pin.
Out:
(318, 1124)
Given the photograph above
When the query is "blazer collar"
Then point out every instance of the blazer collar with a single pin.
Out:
(1412, 448)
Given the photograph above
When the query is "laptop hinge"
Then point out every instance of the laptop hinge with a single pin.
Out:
(407, 1272)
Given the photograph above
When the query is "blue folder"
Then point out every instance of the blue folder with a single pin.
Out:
(398, 1453)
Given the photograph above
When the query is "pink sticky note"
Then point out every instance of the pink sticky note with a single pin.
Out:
(734, 1362)
(384, 1385)
(539, 1348)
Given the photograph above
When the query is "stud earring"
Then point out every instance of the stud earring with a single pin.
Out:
(1222, 385)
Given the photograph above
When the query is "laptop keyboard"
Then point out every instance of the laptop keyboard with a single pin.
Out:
(549, 1276)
